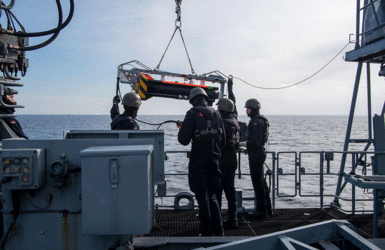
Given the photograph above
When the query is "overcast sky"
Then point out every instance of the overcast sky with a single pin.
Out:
(267, 43)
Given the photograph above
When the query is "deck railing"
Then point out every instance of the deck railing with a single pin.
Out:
(306, 175)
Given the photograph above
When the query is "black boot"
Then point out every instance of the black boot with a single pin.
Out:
(269, 208)
(231, 221)
(268, 201)
(261, 212)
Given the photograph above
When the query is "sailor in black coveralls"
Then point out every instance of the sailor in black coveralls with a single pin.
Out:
(11, 121)
(257, 136)
(228, 162)
(131, 103)
(204, 126)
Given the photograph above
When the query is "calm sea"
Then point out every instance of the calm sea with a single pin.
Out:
(289, 135)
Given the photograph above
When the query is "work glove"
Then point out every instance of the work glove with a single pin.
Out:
(230, 81)
(243, 144)
(179, 123)
(116, 99)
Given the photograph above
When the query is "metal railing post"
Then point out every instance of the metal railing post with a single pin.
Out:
(322, 179)
(273, 176)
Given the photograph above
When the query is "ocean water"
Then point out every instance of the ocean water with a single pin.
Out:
(289, 135)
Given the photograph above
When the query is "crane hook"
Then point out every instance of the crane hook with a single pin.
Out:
(178, 22)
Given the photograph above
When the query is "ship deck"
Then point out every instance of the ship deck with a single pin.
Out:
(173, 223)
(180, 229)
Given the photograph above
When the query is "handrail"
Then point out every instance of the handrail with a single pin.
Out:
(305, 168)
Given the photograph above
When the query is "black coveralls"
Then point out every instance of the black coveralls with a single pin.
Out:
(228, 163)
(204, 174)
(257, 156)
(123, 121)
(12, 122)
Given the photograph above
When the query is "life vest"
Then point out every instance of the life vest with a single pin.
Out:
(232, 137)
(116, 123)
(207, 125)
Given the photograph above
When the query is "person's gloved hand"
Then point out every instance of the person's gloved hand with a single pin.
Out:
(243, 144)
(230, 81)
(179, 123)
(116, 99)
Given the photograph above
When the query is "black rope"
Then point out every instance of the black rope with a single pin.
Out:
(288, 86)
(148, 123)
(157, 124)
(169, 121)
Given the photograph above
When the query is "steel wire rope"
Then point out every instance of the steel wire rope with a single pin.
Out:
(188, 57)
(48, 32)
(157, 67)
(178, 25)
(291, 85)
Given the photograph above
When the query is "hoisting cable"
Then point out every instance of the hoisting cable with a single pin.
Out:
(178, 25)
(288, 86)
(157, 67)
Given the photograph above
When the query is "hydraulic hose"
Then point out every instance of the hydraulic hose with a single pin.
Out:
(159, 124)
(169, 121)
(10, 6)
(48, 32)
(17, 20)
(41, 45)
